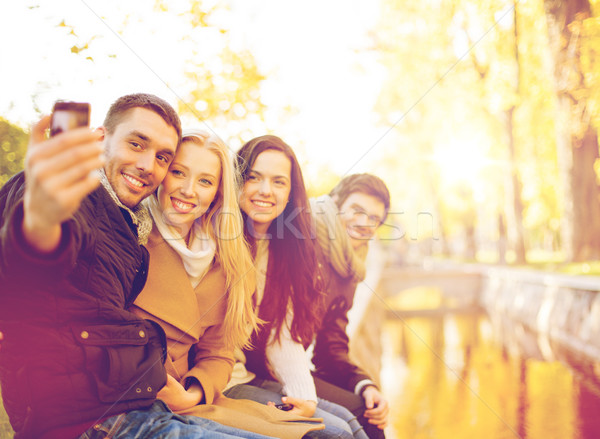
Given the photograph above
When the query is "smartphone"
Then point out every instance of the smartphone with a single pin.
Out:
(285, 407)
(68, 115)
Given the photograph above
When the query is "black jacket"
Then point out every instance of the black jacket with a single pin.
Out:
(330, 355)
(72, 354)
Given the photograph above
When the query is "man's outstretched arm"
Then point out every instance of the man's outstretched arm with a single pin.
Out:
(59, 175)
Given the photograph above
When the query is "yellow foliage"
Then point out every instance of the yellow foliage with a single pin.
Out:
(12, 153)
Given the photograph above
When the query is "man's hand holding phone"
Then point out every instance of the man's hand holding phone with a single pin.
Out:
(59, 175)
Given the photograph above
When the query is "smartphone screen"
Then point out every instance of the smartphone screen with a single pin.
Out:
(69, 115)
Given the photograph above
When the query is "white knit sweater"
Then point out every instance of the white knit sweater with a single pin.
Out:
(286, 358)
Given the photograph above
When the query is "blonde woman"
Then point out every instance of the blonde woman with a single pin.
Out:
(200, 285)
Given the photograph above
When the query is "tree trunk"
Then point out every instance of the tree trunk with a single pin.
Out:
(502, 239)
(514, 195)
(514, 186)
(577, 140)
(586, 233)
(439, 242)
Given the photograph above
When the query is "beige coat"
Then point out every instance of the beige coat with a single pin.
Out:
(192, 318)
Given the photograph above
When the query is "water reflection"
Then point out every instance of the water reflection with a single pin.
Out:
(470, 375)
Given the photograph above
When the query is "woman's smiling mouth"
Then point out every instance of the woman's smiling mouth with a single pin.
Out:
(182, 206)
(262, 204)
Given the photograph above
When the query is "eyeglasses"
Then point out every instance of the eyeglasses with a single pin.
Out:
(374, 220)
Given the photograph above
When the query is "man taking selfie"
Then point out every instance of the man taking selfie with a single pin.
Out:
(74, 362)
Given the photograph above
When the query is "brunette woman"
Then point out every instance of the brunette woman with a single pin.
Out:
(279, 229)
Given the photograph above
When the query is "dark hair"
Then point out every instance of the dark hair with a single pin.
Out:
(141, 100)
(364, 183)
(293, 264)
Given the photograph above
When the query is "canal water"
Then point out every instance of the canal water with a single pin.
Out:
(466, 374)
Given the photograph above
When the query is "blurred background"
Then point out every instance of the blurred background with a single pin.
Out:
(481, 116)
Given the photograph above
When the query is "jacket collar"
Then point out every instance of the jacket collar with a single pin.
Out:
(168, 294)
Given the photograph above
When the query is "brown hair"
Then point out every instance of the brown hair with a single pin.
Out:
(293, 270)
(364, 183)
(141, 100)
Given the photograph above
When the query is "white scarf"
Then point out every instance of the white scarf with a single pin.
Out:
(198, 255)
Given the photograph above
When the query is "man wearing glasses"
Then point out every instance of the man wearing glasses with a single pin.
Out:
(347, 220)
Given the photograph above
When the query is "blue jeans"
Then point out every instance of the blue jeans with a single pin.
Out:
(342, 412)
(158, 422)
(354, 403)
(336, 418)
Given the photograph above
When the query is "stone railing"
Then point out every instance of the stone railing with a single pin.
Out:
(564, 308)
(560, 308)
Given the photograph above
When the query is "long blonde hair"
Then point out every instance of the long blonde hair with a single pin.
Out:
(223, 222)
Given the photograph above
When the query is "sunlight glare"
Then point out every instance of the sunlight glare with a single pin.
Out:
(460, 162)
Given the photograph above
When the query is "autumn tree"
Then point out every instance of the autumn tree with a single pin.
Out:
(226, 96)
(217, 83)
(471, 78)
(13, 144)
(439, 100)
(573, 31)
(416, 51)
(221, 90)
(499, 70)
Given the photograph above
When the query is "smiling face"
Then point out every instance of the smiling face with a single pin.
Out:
(138, 153)
(266, 189)
(190, 186)
(362, 215)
